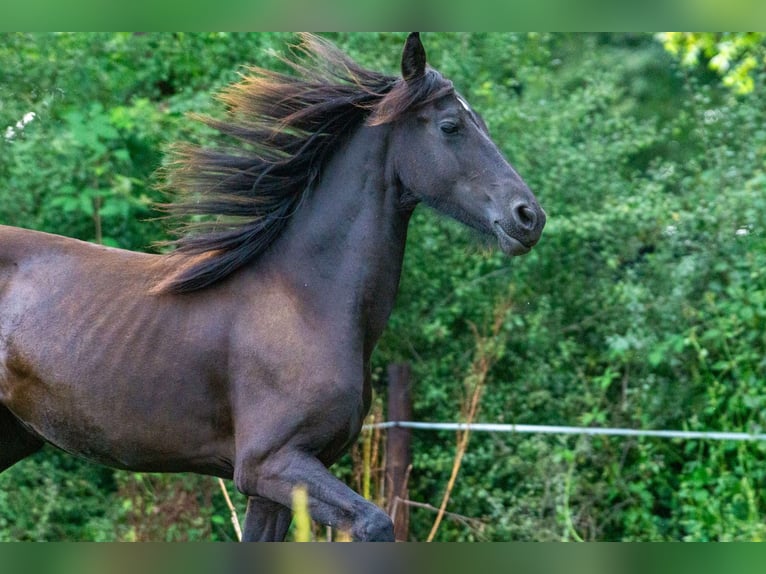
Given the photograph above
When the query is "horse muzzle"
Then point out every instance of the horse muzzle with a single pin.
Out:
(518, 232)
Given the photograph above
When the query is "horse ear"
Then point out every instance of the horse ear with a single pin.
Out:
(413, 58)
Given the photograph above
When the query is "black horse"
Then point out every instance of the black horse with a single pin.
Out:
(245, 352)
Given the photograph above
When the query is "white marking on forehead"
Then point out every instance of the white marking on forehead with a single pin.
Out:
(463, 103)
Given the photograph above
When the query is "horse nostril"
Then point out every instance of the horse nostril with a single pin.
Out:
(525, 216)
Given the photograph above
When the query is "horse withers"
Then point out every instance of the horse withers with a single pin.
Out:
(244, 353)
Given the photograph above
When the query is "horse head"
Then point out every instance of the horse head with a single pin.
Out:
(443, 156)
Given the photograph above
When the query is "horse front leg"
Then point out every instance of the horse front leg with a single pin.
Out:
(265, 521)
(330, 501)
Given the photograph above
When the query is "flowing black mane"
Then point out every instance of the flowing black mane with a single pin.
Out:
(286, 127)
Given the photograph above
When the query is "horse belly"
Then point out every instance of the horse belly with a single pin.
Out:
(126, 431)
(145, 403)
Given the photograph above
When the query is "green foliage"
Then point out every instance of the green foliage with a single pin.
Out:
(53, 496)
(104, 105)
(738, 57)
(647, 276)
(643, 306)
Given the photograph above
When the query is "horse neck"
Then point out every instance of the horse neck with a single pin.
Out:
(344, 245)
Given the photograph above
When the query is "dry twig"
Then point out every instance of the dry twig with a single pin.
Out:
(486, 355)
(234, 517)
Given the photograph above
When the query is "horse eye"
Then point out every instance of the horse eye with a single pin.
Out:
(449, 127)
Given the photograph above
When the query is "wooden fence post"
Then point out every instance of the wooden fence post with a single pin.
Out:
(398, 449)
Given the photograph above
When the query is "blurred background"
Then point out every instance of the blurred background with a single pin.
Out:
(643, 306)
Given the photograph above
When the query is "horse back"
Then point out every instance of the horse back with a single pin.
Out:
(34, 253)
(17, 245)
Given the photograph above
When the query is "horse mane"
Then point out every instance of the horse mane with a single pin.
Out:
(286, 127)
